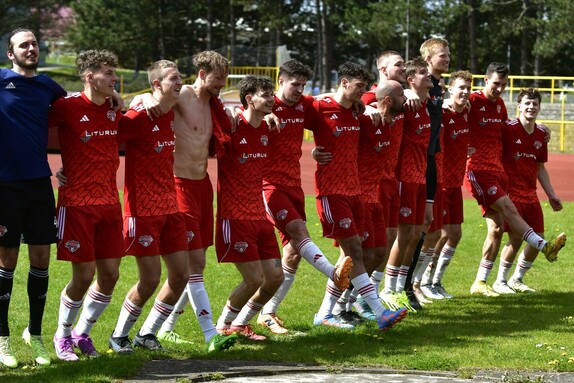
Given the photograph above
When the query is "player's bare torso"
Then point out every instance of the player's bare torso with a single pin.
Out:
(193, 130)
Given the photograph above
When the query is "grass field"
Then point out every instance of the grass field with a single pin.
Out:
(515, 333)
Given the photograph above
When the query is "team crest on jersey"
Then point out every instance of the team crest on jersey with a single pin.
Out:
(189, 234)
(492, 190)
(498, 108)
(240, 246)
(537, 144)
(145, 240)
(405, 211)
(345, 223)
(86, 136)
(300, 108)
(264, 140)
(281, 215)
(3, 230)
(482, 122)
(111, 115)
(72, 245)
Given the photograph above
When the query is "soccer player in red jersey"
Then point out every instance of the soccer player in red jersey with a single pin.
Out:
(378, 153)
(244, 236)
(89, 211)
(152, 224)
(284, 197)
(197, 111)
(524, 154)
(455, 149)
(337, 188)
(391, 66)
(411, 173)
(487, 181)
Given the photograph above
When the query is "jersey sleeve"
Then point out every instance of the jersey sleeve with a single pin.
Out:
(129, 125)
(57, 114)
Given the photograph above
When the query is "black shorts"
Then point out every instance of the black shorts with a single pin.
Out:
(27, 212)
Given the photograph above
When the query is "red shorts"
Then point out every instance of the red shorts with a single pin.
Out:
(341, 216)
(195, 201)
(531, 212)
(437, 210)
(390, 200)
(375, 233)
(413, 203)
(452, 206)
(155, 235)
(89, 233)
(486, 187)
(239, 240)
(283, 205)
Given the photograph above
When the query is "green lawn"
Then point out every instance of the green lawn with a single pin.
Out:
(467, 333)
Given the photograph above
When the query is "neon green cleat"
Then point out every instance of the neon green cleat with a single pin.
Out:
(221, 342)
(172, 337)
(480, 287)
(41, 356)
(403, 301)
(7, 357)
(553, 246)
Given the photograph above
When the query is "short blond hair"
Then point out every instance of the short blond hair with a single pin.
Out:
(155, 71)
(430, 46)
(210, 61)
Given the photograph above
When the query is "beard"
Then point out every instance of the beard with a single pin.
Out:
(25, 64)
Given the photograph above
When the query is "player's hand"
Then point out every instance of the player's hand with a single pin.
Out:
(555, 203)
(322, 158)
(62, 179)
(150, 104)
(116, 102)
(273, 122)
(234, 115)
(470, 151)
(413, 100)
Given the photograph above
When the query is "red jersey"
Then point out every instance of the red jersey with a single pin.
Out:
(89, 150)
(149, 188)
(522, 153)
(455, 147)
(486, 119)
(413, 155)
(240, 173)
(338, 132)
(378, 155)
(283, 167)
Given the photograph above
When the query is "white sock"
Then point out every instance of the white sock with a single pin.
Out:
(446, 255)
(227, 316)
(376, 279)
(342, 302)
(178, 310)
(201, 306)
(67, 315)
(332, 294)
(247, 313)
(503, 271)
(129, 315)
(391, 276)
(402, 279)
(94, 305)
(421, 266)
(534, 239)
(484, 270)
(522, 267)
(158, 314)
(364, 286)
(272, 306)
(312, 254)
